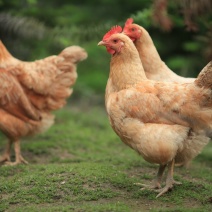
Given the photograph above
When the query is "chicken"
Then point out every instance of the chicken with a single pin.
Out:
(30, 91)
(154, 67)
(162, 121)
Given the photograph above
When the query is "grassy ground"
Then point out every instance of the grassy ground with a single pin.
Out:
(81, 165)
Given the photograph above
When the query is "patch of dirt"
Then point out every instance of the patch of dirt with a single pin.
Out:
(46, 158)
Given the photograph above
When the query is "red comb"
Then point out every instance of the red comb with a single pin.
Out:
(129, 21)
(114, 29)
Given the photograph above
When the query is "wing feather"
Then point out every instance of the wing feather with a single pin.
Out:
(151, 103)
(13, 99)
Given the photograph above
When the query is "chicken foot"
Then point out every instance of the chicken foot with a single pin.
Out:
(6, 156)
(157, 182)
(170, 182)
(18, 157)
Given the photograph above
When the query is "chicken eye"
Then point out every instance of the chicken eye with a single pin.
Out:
(133, 29)
(115, 40)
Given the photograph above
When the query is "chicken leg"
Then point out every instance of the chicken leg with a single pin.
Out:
(18, 157)
(169, 180)
(157, 182)
(6, 156)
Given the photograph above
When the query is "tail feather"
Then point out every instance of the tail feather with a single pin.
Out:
(74, 54)
(204, 78)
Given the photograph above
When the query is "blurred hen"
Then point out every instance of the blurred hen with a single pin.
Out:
(29, 91)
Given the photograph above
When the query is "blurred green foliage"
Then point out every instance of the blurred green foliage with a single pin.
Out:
(33, 29)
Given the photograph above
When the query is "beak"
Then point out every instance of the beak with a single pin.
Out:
(101, 43)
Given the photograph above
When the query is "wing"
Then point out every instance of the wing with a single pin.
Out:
(48, 81)
(41, 75)
(156, 103)
(13, 99)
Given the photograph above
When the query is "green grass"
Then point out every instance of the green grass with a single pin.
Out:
(81, 165)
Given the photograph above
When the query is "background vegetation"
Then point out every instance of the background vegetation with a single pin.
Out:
(181, 30)
(80, 164)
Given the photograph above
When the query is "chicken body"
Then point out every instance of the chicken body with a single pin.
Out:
(154, 67)
(30, 91)
(166, 123)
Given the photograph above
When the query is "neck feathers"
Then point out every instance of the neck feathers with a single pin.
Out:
(126, 68)
(4, 54)
(148, 53)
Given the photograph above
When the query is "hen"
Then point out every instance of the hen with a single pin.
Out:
(154, 67)
(29, 91)
(162, 121)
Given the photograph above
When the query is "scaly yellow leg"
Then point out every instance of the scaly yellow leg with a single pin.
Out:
(157, 182)
(169, 180)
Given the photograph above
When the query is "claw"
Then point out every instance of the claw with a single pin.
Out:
(6, 156)
(155, 185)
(19, 160)
(170, 182)
(4, 159)
(18, 157)
(177, 182)
(157, 182)
(167, 188)
(164, 190)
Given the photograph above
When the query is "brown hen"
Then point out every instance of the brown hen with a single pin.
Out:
(30, 91)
